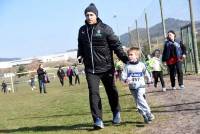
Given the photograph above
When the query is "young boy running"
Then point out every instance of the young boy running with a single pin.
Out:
(133, 74)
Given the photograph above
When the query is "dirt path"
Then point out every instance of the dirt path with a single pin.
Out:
(176, 111)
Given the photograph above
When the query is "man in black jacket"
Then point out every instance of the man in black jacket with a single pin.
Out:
(41, 78)
(96, 43)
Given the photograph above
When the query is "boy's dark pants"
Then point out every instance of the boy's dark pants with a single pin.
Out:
(156, 75)
(107, 79)
(173, 69)
(61, 81)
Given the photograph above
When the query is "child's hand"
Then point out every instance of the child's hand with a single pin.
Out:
(129, 80)
(184, 56)
(164, 63)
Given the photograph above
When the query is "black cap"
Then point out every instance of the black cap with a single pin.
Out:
(92, 8)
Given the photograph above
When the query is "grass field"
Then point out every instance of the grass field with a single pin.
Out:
(62, 110)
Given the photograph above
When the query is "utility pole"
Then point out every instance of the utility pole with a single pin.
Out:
(115, 17)
(194, 39)
(163, 22)
(138, 37)
(12, 85)
(129, 36)
(148, 35)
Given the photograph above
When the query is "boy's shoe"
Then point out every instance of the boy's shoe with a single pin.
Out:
(146, 119)
(163, 89)
(173, 88)
(116, 118)
(151, 117)
(182, 87)
(98, 124)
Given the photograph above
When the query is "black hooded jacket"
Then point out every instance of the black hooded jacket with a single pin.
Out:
(96, 44)
(41, 74)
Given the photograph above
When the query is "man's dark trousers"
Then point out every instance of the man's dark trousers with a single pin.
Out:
(107, 79)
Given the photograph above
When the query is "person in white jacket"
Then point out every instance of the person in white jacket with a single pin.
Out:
(134, 74)
(157, 69)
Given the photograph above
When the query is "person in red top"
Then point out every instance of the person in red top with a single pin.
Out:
(173, 55)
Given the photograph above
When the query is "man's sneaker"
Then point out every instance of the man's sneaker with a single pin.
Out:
(182, 87)
(173, 88)
(116, 118)
(163, 89)
(98, 124)
(151, 117)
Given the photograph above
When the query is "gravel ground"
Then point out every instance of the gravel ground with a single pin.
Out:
(176, 111)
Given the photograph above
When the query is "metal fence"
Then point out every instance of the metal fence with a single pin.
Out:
(149, 31)
(13, 81)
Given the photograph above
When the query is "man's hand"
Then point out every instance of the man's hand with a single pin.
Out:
(80, 59)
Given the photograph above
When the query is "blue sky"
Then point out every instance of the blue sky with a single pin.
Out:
(40, 27)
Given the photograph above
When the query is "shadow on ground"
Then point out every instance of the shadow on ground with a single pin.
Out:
(192, 106)
(86, 127)
(53, 116)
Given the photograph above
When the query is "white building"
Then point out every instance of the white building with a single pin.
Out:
(58, 57)
(44, 59)
(5, 65)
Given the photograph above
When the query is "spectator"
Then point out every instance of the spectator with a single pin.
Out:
(173, 55)
(42, 78)
(4, 86)
(149, 63)
(61, 75)
(118, 69)
(32, 82)
(158, 69)
(70, 75)
(76, 73)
